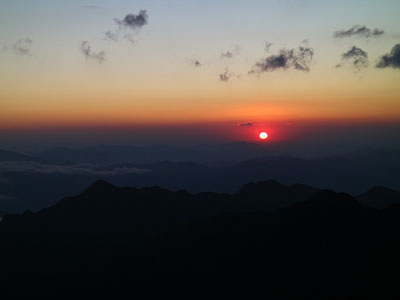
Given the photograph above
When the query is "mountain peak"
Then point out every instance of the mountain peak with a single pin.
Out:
(380, 197)
(380, 189)
(100, 186)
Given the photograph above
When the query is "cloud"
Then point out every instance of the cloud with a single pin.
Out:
(22, 46)
(391, 59)
(268, 46)
(130, 37)
(130, 22)
(247, 124)
(227, 54)
(359, 31)
(133, 21)
(225, 76)
(79, 169)
(356, 57)
(90, 54)
(298, 59)
(231, 53)
(111, 36)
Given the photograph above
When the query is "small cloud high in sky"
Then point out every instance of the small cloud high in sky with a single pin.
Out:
(22, 46)
(359, 31)
(298, 59)
(133, 21)
(356, 58)
(149, 63)
(87, 51)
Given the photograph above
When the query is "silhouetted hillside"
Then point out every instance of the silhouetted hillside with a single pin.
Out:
(270, 195)
(111, 242)
(380, 197)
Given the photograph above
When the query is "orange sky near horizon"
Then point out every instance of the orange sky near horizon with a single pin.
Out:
(154, 81)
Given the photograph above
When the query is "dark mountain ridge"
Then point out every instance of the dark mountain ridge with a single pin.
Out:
(380, 197)
(119, 243)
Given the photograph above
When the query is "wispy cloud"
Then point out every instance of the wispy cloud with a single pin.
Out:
(231, 53)
(359, 31)
(111, 36)
(79, 169)
(247, 124)
(22, 46)
(225, 76)
(90, 54)
(227, 54)
(391, 59)
(194, 62)
(268, 46)
(356, 58)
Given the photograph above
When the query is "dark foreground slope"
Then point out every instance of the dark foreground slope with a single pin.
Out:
(125, 243)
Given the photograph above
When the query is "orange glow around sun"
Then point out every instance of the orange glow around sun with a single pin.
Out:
(263, 135)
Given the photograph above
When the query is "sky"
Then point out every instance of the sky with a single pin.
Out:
(196, 70)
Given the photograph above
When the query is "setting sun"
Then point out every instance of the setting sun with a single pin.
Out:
(263, 135)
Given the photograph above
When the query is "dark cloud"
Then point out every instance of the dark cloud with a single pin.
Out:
(356, 57)
(391, 59)
(130, 22)
(298, 59)
(134, 21)
(90, 54)
(247, 124)
(22, 46)
(225, 76)
(359, 31)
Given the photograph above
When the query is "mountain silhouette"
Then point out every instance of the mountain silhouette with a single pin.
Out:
(380, 197)
(270, 195)
(111, 242)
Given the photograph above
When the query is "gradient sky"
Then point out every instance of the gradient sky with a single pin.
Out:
(155, 81)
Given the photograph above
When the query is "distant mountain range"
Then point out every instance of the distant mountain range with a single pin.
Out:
(266, 240)
(111, 154)
(15, 156)
(28, 182)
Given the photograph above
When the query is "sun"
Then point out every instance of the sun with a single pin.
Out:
(263, 135)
